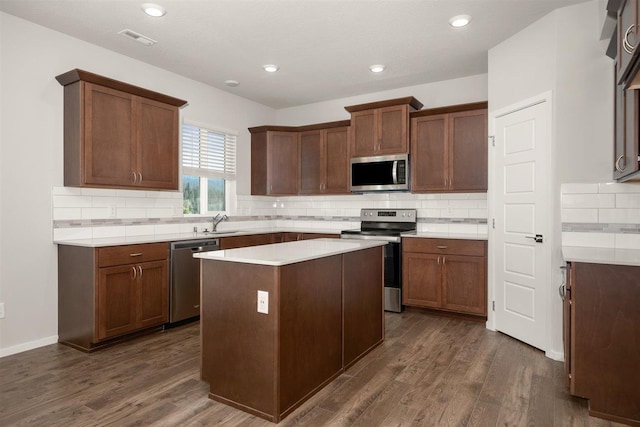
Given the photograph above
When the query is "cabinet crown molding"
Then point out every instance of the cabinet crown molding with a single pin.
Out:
(77, 74)
(413, 104)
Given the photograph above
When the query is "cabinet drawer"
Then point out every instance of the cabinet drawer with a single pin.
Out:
(444, 246)
(121, 255)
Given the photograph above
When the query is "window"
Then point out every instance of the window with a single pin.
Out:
(208, 162)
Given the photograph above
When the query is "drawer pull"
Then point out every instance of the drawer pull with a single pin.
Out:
(441, 247)
(136, 254)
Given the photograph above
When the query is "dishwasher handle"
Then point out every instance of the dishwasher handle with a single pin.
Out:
(197, 245)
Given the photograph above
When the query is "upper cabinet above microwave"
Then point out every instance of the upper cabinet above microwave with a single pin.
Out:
(381, 128)
(118, 135)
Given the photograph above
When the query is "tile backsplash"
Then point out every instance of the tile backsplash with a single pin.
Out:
(92, 213)
(603, 215)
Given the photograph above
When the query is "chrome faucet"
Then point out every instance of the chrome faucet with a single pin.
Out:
(217, 220)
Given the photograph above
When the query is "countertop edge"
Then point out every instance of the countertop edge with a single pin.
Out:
(613, 256)
(251, 255)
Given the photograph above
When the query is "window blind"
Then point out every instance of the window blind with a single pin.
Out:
(208, 153)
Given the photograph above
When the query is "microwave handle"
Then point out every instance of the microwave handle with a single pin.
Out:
(394, 172)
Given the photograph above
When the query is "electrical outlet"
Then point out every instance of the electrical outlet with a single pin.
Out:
(263, 302)
(1, 310)
(112, 211)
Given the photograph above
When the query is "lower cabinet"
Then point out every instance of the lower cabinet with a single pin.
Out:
(132, 297)
(249, 240)
(109, 292)
(602, 344)
(445, 274)
(291, 237)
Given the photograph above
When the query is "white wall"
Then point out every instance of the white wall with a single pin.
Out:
(31, 160)
(562, 53)
(449, 92)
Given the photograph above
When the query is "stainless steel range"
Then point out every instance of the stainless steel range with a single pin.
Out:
(387, 225)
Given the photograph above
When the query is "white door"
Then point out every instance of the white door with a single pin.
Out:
(522, 222)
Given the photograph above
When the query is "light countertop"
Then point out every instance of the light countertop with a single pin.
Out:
(279, 254)
(461, 236)
(175, 237)
(602, 255)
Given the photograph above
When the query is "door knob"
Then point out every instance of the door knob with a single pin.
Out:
(537, 238)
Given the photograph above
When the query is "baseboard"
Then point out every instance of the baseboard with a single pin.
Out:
(28, 346)
(555, 355)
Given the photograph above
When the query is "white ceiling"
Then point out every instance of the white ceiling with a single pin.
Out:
(323, 47)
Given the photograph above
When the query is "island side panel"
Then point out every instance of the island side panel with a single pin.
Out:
(363, 301)
(310, 328)
(238, 343)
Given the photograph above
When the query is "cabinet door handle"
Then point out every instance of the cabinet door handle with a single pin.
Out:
(140, 270)
(618, 168)
(140, 175)
(438, 260)
(562, 290)
(625, 41)
(136, 254)
(135, 177)
(444, 260)
(441, 247)
(135, 273)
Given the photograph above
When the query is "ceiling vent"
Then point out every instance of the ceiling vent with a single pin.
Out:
(130, 34)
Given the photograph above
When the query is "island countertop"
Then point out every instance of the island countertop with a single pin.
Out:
(279, 254)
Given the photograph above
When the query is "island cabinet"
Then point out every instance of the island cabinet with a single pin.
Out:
(381, 128)
(321, 315)
(449, 149)
(602, 345)
(274, 161)
(445, 274)
(324, 160)
(117, 135)
(109, 292)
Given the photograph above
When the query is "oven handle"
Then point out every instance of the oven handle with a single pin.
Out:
(394, 172)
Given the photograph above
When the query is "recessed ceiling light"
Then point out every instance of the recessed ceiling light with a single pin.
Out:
(232, 83)
(459, 21)
(154, 10)
(378, 68)
(270, 68)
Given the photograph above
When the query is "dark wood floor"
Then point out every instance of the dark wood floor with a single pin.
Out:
(430, 371)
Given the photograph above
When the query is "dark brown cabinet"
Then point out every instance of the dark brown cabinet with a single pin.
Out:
(274, 162)
(381, 128)
(292, 237)
(449, 149)
(627, 35)
(249, 240)
(324, 161)
(109, 292)
(602, 350)
(445, 274)
(118, 135)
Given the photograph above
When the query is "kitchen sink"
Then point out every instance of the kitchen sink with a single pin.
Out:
(215, 233)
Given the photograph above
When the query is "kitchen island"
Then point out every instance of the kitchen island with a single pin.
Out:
(281, 321)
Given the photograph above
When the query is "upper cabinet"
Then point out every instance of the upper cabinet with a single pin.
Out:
(274, 161)
(627, 36)
(449, 149)
(288, 160)
(324, 160)
(381, 128)
(626, 163)
(117, 135)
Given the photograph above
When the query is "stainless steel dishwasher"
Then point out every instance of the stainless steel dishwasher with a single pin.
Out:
(184, 297)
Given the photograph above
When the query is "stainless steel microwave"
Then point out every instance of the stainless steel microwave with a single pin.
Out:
(380, 173)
